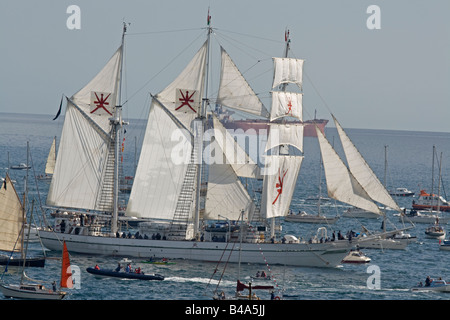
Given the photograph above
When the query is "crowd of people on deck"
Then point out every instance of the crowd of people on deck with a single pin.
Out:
(137, 235)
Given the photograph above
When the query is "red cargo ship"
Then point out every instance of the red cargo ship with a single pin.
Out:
(308, 131)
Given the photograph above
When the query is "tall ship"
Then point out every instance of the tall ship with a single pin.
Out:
(176, 219)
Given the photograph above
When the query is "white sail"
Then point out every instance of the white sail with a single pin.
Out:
(361, 171)
(167, 146)
(341, 184)
(183, 96)
(86, 148)
(11, 217)
(51, 159)
(286, 104)
(288, 70)
(279, 184)
(226, 196)
(99, 97)
(235, 92)
(162, 166)
(285, 134)
(237, 157)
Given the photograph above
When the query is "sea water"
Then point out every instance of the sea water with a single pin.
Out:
(398, 158)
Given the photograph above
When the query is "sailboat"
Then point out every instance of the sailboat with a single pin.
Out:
(13, 227)
(12, 214)
(358, 186)
(436, 230)
(35, 290)
(432, 213)
(50, 164)
(172, 167)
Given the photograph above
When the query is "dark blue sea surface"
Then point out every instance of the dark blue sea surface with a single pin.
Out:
(409, 165)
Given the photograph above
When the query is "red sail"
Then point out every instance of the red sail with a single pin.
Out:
(66, 272)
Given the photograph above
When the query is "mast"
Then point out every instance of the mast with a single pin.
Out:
(25, 192)
(439, 187)
(198, 140)
(282, 149)
(432, 178)
(385, 185)
(117, 123)
(286, 52)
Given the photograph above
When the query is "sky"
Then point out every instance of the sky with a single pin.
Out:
(394, 77)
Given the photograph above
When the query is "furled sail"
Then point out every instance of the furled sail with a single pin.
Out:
(286, 104)
(361, 171)
(11, 217)
(167, 149)
(279, 184)
(86, 148)
(288, 70)
(235, 92)
(341, 184)
(285, 134)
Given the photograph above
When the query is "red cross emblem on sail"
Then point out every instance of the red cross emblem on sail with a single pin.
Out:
(186, 100)
(100, 101)
(279, 185)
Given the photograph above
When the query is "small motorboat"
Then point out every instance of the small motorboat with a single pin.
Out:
(401, 192)
(21, 166)
(437, 285)
(444, 245)
(44, 177)
(435, 232)
(356, 256)
(261, 275)
(123, 275)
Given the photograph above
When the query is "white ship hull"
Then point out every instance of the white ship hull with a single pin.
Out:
(328, 254)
